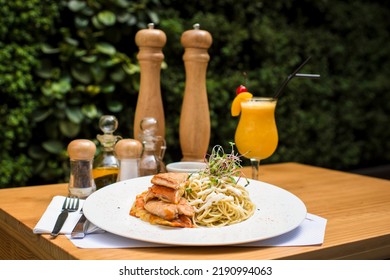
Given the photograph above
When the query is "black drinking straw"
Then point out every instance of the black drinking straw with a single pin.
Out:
(295, 74)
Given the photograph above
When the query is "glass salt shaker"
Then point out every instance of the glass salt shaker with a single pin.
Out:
(106, 165)
(81, 153)
(153, 148)
(128, 152)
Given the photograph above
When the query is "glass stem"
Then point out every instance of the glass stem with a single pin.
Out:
(255, 163)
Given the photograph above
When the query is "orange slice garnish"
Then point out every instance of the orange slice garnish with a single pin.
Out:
(236, 105)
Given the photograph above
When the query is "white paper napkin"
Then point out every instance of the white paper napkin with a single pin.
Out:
(47, 221)
(310, 232)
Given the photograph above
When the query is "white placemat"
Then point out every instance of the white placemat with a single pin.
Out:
(310, 232)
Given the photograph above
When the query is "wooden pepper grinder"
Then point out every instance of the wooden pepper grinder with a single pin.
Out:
(195, 116)
(81, 153)
(150, 56)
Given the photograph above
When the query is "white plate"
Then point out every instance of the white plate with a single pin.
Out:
(277, 212)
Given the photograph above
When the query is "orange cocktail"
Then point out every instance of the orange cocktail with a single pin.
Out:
(256, 135)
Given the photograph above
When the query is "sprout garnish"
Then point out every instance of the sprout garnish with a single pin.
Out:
(221, 165)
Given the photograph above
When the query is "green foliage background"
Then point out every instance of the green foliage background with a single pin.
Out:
(65, 63)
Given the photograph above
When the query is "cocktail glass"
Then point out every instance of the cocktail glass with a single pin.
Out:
(256, 136)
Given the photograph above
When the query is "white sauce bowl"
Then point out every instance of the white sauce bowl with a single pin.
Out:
(186, 166)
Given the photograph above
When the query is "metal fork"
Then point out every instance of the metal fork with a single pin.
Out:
(71, 204)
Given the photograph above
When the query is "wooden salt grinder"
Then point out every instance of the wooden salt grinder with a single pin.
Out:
(128, 152)
(150, 56)
(195, 116)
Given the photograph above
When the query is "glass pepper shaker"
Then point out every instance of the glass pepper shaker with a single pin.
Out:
(81, 153)
(106, 165)
(153, 148)
(128, 152)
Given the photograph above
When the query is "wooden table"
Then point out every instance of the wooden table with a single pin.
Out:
(357, 209)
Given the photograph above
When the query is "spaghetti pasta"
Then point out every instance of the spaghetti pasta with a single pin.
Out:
(218, 202)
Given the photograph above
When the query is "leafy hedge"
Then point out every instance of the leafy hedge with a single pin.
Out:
(338, 121)
(23, 26)
(69, 62)
(88, 69)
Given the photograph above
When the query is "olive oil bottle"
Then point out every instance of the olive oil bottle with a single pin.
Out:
(106, 165)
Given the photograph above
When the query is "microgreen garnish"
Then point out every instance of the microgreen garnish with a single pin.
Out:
(189, 190)
(222, 165)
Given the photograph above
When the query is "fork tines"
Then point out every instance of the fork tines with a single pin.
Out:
(71, 203)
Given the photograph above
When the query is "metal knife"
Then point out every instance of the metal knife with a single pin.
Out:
(59, 223)
(80, 228)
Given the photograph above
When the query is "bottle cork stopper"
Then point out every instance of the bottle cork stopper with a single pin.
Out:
(81, 149)
(128, 148)
(196, 38)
